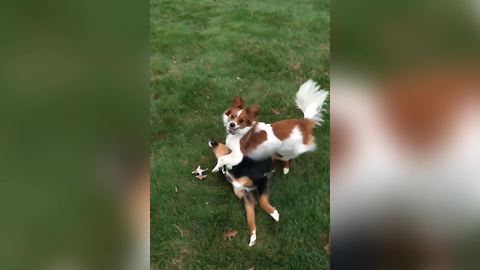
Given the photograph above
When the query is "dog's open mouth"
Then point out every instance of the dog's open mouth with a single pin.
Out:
(231, 130)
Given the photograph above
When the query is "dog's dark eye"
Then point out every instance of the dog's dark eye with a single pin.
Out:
(241, 121)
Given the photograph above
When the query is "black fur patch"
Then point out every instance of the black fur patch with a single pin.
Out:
(257, 171)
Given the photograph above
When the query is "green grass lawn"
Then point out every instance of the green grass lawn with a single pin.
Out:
(204, 52)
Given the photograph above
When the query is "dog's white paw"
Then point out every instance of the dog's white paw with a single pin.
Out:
(275, 215)
(253, 239)
(286, 170)
(216, 169)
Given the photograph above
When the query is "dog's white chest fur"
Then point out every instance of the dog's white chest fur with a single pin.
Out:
(233, 141)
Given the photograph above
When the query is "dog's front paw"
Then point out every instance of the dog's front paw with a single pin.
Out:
(253, 239)
(229, 164)
(219, 165)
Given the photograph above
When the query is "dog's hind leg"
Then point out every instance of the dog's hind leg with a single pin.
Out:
(286, 166)
(262, 187)
(267, 207)
(249, 204)
(285, 162)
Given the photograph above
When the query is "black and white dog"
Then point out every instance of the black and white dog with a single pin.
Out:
(247, 176)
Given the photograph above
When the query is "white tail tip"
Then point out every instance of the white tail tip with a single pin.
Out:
(311, 99)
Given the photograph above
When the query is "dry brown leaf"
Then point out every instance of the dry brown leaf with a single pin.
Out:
(296, 66)
(229, 234)
(327, 248)
(275, 111)
(200, 177)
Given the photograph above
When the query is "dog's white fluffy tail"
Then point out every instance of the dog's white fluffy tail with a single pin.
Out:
(310, 99)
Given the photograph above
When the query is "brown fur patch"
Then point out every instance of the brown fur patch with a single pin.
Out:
(239, 193)
(253, 111)
(250, 210)
(245, 181)
(245, 118)
(235, 107)
(283, 129)
(265, 204)
(251, 140)
(237, 102)
(221, 150)
(232, 113)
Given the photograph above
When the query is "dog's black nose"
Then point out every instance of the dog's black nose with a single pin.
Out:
(232, 125)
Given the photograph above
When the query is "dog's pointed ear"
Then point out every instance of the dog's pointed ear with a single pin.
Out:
(237, 102)
(253, 111)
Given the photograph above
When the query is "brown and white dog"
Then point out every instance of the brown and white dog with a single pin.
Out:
(283, 140)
